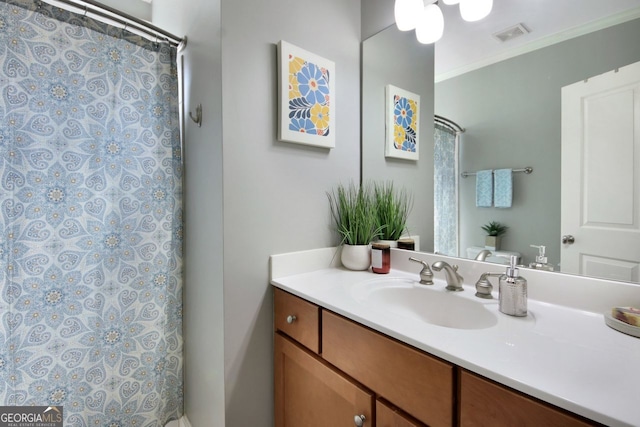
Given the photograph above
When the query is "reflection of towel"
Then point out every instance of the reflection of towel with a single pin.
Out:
(503, 188)
(484, 188)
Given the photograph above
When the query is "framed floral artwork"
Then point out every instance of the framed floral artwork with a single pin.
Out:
(306, 105)
(402, 123)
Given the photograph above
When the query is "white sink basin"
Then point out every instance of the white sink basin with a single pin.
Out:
(430, 304)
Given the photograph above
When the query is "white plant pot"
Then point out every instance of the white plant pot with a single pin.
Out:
(356, 257)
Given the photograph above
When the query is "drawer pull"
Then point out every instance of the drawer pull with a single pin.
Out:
(292, 318)
(359, 420)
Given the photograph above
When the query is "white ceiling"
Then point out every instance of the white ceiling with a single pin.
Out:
(469, 45)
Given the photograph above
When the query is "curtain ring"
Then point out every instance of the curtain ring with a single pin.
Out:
(85, 11)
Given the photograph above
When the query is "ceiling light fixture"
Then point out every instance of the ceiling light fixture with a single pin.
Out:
(430, 25)
(475, 10)
(427, 18)
(406, 13)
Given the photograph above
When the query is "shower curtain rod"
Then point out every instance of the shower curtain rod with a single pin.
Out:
(447, 122)
(122, 18)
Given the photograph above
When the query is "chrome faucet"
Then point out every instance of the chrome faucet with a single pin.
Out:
(484, 286)
(426, 275)
(483, 255)
(454, 280)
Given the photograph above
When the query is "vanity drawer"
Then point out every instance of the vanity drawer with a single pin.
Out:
(408, 378)
(297, 318)
(485, 403)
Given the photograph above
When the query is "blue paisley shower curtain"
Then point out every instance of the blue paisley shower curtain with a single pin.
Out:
(90, 219)
(445, 191)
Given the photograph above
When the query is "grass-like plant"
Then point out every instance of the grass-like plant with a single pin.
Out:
(392, 210)
(495, 228)
(353, 213)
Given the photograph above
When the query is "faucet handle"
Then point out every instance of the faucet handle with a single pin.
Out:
(426, 275)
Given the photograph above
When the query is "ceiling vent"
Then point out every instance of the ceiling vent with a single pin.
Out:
(511, 33)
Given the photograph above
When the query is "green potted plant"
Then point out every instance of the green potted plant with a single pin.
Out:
(392, 209)
(354, 216)
(494, 231)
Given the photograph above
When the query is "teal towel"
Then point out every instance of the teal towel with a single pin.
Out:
(484, 188)
(503, 188)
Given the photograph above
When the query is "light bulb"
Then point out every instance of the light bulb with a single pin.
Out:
(406, 13)
(450, 2)
(475, 10)
(430, 25)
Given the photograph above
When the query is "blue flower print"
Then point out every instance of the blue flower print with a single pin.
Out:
(111, 243)
(313, 84)
(112, 336)
(303, 126)
(154, 110)
(14, 140)
(155, 281)
(116, 415)
(56, 195)
(156, 195)
(115, 58)
(12, 253)
(12, 363)
(15, 31)
(112, 148)
(151, 373)
(63, 387)
(403, 113)
(57, 92)
(52, 299)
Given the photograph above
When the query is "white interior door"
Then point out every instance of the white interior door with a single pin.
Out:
(601, 175)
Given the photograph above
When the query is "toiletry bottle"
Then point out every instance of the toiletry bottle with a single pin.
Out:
(513, 291)
(541, 260)
(380, 258)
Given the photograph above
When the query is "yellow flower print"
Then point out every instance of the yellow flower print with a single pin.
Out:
(414, 107)
(320, 116)
(398, 135)
(295, 64)
(294, 91)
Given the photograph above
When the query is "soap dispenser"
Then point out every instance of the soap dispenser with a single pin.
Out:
(541, 260)
(513, 291)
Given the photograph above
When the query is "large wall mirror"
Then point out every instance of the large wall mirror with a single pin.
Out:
(511, 112)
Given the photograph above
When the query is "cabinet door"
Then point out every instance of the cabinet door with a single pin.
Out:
(420, 384)
(309, 393)
(387, 416)
(485, 403)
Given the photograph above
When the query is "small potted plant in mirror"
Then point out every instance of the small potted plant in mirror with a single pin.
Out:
(494, 231)
(392, 208)
(354, 216)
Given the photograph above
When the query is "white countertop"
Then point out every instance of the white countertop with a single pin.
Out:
(563, 355)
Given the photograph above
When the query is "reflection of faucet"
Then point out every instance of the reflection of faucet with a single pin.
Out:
(483, 254)
(426, 275)
(454, 280)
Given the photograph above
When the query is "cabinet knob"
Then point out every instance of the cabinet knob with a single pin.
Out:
(292, 318)
(359, 420)
(568, 239)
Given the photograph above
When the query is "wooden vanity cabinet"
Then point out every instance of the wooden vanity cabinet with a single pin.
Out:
(487, 404)
(329, 369)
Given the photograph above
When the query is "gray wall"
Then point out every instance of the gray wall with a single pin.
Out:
(203, 302)
(511, 111)
(274, 192)
(269, 195)
(409, 68)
